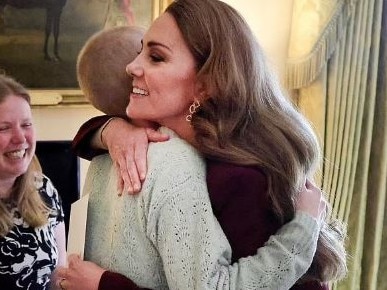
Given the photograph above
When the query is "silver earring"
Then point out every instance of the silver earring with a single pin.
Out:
(192, 110)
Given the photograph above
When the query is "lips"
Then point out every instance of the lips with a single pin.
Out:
(17, 154)
(141, 92)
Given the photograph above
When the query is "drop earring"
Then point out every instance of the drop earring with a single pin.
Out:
(192, 110)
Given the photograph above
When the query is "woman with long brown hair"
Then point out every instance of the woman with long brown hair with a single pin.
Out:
(216, 92)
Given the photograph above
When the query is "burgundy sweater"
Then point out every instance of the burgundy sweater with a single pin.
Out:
(239, 200)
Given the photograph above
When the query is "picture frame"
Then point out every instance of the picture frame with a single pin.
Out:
(39, 43)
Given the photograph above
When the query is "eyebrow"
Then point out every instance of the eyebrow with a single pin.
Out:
(155, 43)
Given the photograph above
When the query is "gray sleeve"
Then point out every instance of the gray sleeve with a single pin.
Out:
(196, 253)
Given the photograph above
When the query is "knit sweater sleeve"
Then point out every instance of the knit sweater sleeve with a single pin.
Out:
(194, 250)
(279, 247)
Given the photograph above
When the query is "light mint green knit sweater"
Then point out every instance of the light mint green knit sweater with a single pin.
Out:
(167, 237)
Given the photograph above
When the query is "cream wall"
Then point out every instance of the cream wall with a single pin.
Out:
(55, 123)
(269, 20)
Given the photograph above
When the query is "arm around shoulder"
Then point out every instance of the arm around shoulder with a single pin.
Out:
(81, 143)
(197, 255)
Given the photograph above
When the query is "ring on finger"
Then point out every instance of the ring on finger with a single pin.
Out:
(61, 284)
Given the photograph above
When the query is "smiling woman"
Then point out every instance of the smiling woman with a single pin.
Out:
(32, 238)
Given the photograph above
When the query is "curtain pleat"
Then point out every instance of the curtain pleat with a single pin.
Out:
(352, 87)
(378, 174)
(317, 27)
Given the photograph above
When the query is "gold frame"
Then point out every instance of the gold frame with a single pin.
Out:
(65, 97)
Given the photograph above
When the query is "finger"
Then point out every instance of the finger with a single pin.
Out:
(73, 260)
(123, 174)
(62, 284)
(309, 184)
(323, 208)
(120, 180)
(120, 184)
(61, 272)
(155, 136)
(140, 156)
(134, 176)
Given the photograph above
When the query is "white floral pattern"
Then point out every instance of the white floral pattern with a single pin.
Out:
(29, 255)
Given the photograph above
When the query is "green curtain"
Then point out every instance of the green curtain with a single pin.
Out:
(340, 84)
(378, 174)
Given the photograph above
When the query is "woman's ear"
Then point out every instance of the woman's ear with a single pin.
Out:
(203, 89)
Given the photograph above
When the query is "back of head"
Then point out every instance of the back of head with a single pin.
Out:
(101, 67)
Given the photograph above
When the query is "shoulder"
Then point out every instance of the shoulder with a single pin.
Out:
(174, 152)
(45, 187)
(49, 195)
(176, 171)
(224, 172)
(100, 165)
(236, 187)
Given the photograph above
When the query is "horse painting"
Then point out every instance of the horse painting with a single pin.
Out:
(53, 13)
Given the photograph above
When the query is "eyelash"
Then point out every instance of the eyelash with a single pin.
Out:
(26, 125)
(156, 58)
(153, 56)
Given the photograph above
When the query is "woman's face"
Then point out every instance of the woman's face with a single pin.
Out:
(17, 137)
(164, 76)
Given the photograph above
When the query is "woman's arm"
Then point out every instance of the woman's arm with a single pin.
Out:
(127, 145)
(81, 143)
(194, 250)
(242, 206)
(284, 245)
(84, 275)
(60, 237)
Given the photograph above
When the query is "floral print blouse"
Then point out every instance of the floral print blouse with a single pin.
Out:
(29, 255)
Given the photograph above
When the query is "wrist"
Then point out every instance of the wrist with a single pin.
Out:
(103, 130)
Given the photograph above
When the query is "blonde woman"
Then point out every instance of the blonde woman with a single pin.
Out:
(32, 232)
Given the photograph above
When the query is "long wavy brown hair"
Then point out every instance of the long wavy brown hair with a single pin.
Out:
(24, 192)
(248, 120)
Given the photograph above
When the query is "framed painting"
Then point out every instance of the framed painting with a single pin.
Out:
(40, 39)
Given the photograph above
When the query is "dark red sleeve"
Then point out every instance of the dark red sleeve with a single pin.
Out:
(81, 141)
(241, 204)
(314, 285)
(110, 280)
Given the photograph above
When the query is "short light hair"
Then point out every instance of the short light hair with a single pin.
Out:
(101, 67)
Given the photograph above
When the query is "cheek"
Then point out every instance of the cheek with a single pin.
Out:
(2, 145)
(31, 138)
(185, 87)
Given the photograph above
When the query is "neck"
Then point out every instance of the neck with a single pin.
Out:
(184, 130)
(6, 188)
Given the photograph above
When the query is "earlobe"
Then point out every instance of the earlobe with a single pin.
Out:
(203, 90)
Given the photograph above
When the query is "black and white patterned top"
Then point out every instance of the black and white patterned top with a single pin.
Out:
(29, 255)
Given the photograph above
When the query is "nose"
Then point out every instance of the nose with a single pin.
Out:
(134, 69)
(18, 136)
